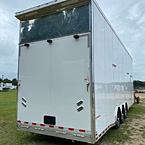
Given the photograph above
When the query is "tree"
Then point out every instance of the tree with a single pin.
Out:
(138, 84)
(1, 80)
(14, 82)
(7, 81)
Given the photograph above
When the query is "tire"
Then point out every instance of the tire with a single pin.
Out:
(126, 107)
(138, 99)
(125, 114)
(118, 121)
(122, 117)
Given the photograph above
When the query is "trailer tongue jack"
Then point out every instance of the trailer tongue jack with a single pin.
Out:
(136, 98)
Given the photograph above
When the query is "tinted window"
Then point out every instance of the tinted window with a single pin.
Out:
(71, 21)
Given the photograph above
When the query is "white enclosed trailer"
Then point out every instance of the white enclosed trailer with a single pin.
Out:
(1, 86)
(75, 75)
(5, 86)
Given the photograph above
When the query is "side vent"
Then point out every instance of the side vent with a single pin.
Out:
(23, 99)
(24, 102)
(80, 103)
(80, 109)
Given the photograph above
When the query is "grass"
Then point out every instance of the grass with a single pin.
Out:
(10, 136)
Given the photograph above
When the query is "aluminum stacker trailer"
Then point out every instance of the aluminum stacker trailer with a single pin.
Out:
(75, 75)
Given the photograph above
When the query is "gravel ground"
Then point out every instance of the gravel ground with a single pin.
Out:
(141, 95)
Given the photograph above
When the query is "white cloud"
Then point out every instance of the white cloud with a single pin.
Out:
(8, 43)
(135, 11)
(141, 20)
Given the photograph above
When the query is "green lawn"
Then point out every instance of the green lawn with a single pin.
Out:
(10, 136)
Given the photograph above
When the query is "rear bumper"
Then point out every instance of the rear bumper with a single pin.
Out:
(72, 135)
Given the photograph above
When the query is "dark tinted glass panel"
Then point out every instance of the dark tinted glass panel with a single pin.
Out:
(71, 21)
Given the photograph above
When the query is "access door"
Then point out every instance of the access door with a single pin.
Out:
(69, 99)
(54, 81)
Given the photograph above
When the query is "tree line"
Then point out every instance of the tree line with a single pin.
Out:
(138, 83)
(13, 81)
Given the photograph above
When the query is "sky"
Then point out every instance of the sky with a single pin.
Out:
(126, 16)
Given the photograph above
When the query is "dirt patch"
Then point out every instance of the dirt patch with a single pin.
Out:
(4, 124)
(138, 131)
(2, 132)
(143, 105)
(142, 98)
(138, 126)
(141, 95)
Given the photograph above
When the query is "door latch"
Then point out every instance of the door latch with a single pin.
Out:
(88, 84)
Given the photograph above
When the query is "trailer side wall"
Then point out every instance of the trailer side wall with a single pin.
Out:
(112, 71)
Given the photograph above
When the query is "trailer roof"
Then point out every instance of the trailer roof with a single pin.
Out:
(41, 10)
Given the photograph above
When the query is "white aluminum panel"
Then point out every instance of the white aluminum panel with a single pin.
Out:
(116, 70)
(128, 78)
(34, 76)
(109, 74)
(52, 82)
(131, 82)
(99, 69)
(124, 74)
(132, 95)
(121, 75)
(69, 68)
(110, 82)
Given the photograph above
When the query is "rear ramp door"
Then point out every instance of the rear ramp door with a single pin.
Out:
(55, 82)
